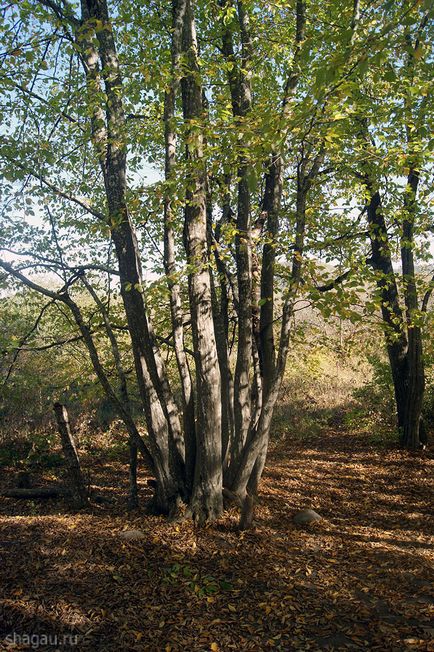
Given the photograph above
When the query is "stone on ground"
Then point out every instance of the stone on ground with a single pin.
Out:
(306, 516)
(132, 535)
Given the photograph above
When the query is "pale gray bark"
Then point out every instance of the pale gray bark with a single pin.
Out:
(109, 140)
(170, 216)
(241, 99)
(253, 457)
(207, 502)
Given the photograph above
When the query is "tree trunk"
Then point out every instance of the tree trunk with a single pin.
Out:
(411, 430)
(403, 340)
(221, 326)
(79, 491)
(246, 518)
(176, 312)
(206, 502)
(109, 141)
(415, 366)
(270, 209)
(133, 500)
(219, 310)
(271, 204)
(241, 100)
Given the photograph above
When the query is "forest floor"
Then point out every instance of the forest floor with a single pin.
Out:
(359, 579)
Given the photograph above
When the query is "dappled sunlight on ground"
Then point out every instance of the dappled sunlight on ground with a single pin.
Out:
(358, 579)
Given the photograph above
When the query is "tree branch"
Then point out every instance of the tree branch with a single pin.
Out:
(35, 96)
(62, 12)
(427, 296)
(24, 340)
(56, 263)
(331, 285)
(55, 296)
(80, 201)
(52, 345)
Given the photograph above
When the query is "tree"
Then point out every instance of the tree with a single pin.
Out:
(393, 144)
(240, 102)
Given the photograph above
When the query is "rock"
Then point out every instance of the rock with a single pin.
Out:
(306, 516)
(132, 535)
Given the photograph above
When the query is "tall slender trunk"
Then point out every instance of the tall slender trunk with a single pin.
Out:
(221, 324)
(271, 204)
(270, 210)
(241, 100)
(415, 366)
(176, 310)
(108, 135)
(133, 498)
(403, 332)
(242, 376)
(252, 462)
(396, 340)
(413, 432)
(206, 502)
(403, 336)
(403, 340)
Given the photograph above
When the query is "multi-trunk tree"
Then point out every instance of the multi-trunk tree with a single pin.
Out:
(236, 103)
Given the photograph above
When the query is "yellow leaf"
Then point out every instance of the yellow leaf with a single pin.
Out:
(232, 607)
(214, 647)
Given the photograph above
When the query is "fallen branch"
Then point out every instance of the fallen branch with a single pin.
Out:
(37, 492)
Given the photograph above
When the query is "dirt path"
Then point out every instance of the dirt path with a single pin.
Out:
(358, 580)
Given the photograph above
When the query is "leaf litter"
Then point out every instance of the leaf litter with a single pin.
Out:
(361, 578)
